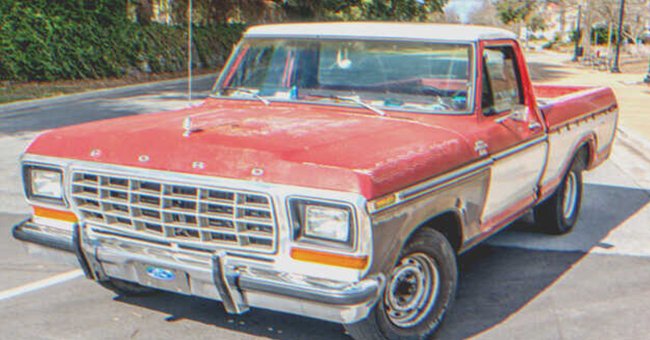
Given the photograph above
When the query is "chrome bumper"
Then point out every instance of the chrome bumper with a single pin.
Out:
(45, 236)
(238, 282)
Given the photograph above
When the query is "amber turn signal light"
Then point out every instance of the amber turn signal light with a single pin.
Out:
(385, 201)
(338, 260)
(60, 215)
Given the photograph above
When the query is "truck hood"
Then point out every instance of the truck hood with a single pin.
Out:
(318, 146)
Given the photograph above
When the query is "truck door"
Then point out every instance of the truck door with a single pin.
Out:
(512, 133)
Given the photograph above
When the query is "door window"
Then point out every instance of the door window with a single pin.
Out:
(502, 90)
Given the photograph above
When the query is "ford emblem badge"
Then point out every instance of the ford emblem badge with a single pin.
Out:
(160, 273)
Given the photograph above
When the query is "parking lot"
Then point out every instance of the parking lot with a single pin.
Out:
(592, 283)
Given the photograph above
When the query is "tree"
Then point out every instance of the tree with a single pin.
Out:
(393, 10)
(536, 23)
(515, 11)
(401, 10)
(637, 14)
(143, 10)
(562, 6)
(485, 14)
(450, 16)
(528, 13)
(210, 12)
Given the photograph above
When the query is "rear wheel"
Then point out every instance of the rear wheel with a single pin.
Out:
(125, 288)
(559, 213)
(420, 289)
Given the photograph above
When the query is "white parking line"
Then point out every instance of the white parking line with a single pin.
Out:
(50, 281)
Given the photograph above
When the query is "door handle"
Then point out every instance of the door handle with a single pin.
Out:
(517, 115)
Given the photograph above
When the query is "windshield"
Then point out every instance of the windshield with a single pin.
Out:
(421, 76)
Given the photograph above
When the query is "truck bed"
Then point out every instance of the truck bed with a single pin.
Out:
(575, 115)
(562, 105)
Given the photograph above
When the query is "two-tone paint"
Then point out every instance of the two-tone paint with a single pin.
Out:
(467, 175)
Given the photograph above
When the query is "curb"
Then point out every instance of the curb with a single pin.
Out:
(27, 104)
(634, 141)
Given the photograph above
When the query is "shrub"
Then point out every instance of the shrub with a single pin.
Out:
(78, 39)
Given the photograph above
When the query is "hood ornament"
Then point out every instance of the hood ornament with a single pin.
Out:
(187, 126)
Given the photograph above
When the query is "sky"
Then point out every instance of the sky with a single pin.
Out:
(463, 7)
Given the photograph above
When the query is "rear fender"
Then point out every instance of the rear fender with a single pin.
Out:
(587, 141)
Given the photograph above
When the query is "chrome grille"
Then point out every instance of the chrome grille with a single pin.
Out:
(199, 215)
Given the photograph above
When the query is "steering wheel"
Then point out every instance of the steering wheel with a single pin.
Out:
(436, 91)
(426, 89)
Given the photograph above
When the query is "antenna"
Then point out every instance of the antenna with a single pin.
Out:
(189, 51)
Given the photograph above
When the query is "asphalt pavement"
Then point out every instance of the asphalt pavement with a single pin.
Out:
(38, 115)
(521, 284)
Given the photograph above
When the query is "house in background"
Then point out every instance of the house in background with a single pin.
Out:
(560, 20)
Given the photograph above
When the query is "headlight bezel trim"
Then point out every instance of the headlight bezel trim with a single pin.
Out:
(297, 230)
(35, 199)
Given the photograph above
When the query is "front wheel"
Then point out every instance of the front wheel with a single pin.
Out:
(419, 291)
(559, 213)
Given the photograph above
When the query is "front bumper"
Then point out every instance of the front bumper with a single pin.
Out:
(238, 282)
(43, 235)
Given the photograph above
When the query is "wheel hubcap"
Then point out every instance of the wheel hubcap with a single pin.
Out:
(570, 195)
(412, 290)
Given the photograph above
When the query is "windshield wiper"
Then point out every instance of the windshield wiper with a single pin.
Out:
(355, 99)
(248, 91)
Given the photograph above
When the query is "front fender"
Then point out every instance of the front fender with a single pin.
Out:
(464, 196)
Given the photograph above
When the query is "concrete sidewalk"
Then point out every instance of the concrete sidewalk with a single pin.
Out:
(632, 94)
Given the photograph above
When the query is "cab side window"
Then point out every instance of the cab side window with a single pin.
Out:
(502, 89)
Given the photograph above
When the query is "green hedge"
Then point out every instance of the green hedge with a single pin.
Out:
(79, 39)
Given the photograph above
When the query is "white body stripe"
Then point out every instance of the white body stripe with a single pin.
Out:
(565, 140)
(514, 178)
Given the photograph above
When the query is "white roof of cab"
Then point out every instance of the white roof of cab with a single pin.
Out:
(381, 30)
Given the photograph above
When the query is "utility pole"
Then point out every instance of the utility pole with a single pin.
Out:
(609, 42)
(576, 50)
(617, 55)
(587, 10)
(647, 76)
(189, 50)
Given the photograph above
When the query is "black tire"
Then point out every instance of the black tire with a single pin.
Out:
(559, 213)
(426, 248)
(125, 288)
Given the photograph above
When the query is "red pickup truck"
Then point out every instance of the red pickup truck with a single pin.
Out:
(336, 172)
